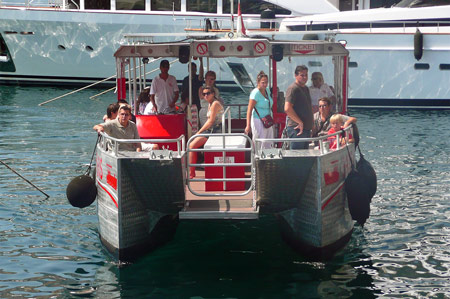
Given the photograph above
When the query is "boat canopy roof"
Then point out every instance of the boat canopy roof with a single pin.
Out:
(231, 47)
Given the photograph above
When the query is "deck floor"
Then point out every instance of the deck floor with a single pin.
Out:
(213, 206)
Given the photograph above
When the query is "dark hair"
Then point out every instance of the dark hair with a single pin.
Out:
(144, 96)
(122, 101)
(260, 76)
(210, 73)
(210, 88)
(325, 99)
(112, 108)
(164, 62)
(300, 68)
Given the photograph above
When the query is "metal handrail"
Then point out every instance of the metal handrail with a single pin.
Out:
(181, 149)
(224, 150)
(320, 139)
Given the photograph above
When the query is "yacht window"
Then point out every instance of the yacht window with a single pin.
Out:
(164, 5)
(202, 5)
(421, 66)
(130, 4)
(444, 66)
(352, 64)
(422, 3)
(315, 63)
(97, 4)
(254, 7)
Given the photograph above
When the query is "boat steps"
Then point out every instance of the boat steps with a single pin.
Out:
(217, 204)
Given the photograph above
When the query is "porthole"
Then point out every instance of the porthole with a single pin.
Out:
(61, 47)
(89, 48)
(352, 64)
(421, 66)
(444, 67)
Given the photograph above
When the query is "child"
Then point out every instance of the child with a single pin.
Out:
(336, 122)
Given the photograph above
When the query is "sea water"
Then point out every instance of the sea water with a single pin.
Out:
(50, 249)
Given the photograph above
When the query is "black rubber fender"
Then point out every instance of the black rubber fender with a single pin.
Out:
(418, 44)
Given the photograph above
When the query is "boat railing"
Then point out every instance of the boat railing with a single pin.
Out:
(224, 150)
(321, 140)
(225, 24)
(110, 143)
(238, 114)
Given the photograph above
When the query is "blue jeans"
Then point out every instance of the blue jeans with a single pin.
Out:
(292, 133)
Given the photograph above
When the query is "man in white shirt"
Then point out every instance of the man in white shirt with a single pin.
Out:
(163, 91)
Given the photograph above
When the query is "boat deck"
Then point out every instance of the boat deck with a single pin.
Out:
(211, 205)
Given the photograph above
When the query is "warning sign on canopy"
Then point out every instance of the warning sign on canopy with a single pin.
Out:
(303, 49)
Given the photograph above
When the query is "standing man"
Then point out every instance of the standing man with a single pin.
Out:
(163, 91)
(299, 122)
(122, 128)
(197, 82)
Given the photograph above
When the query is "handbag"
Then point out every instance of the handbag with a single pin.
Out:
(267, 120)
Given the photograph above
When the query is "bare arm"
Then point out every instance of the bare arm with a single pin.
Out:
(289, 109)
(99, 128)
(152, 99)
(351, 120)
(201, 71)
(251, 106)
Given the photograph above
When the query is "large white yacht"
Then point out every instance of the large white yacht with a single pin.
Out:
(71, 42)
(398, 56)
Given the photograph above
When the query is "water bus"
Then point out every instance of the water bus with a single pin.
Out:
(142, 196)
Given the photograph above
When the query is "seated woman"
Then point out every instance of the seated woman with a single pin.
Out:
(213, 124)
(337, 122)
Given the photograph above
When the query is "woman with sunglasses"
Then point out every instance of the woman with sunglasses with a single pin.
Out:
(213, 124)
(259, 105)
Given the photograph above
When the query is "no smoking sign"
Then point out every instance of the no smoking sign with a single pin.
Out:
(202, 48)
(260, 47)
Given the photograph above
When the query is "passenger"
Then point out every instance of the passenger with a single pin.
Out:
(111, 112)
(322, 118)
(212, 125)
(197, 82)
(299, 121)
(143, 100)
(124, 102)
(210, 81)
(121, 128)
(163, 91)
(259, 106)
(337, 121)
(319, 89)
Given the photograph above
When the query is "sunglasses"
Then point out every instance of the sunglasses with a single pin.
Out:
(207, 93)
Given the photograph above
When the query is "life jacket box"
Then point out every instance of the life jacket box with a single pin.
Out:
(162, 126)
(231, 142)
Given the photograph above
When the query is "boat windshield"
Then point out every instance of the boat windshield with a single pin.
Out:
(422, 3)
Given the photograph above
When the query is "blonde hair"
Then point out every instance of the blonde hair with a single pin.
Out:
(337, 118)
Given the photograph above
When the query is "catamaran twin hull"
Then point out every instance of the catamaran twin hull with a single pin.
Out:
(141, 194)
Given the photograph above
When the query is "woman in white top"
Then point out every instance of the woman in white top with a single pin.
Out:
(259, 105)
(212, 125)
(319, 89)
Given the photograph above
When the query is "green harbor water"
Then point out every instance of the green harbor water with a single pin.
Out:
(49, 249)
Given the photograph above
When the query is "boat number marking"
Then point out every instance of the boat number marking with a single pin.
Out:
(202, 48)
(260, 47)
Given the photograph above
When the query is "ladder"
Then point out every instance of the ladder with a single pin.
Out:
(225, 189)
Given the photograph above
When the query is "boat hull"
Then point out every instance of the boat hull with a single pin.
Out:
(306, 191)
(138, 202)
